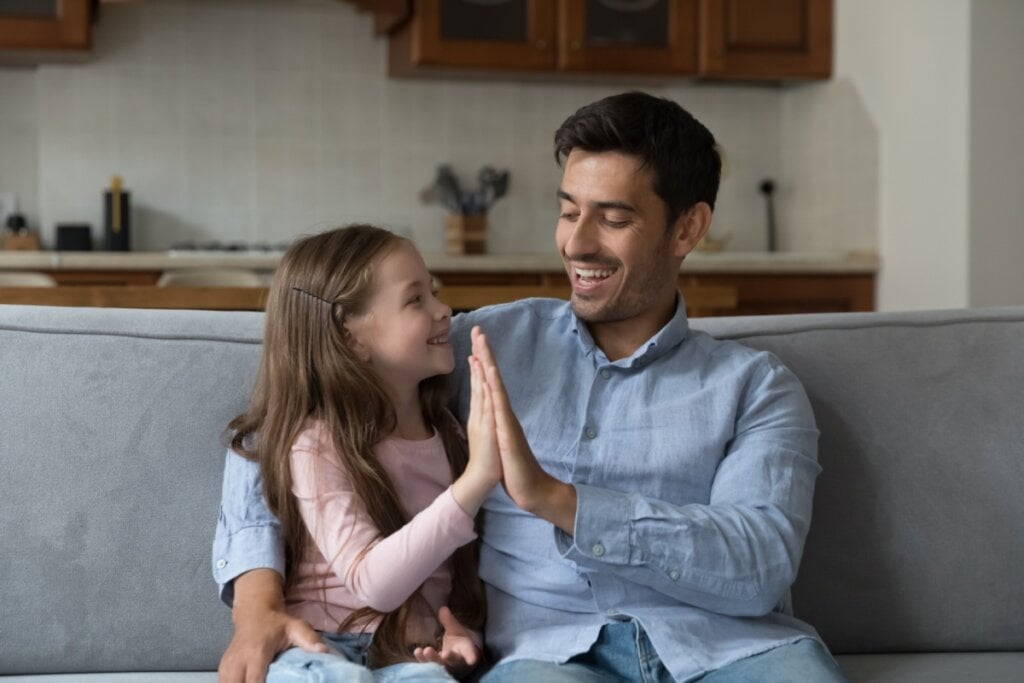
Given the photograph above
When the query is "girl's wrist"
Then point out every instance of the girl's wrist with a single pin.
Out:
(469, 492)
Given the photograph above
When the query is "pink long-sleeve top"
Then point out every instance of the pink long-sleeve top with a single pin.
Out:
(351, 565)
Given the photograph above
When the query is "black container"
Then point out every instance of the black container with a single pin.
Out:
(116, 220)
(74, 237)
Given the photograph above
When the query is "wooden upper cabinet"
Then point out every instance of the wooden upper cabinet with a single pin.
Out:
(766, 39)
(483, 34)
(711, 39)
(650, 36)
(41, 30)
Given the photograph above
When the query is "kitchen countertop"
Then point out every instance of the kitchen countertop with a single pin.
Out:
(699, 262)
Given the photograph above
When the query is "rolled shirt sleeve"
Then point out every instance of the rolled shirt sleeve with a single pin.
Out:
(248, 535)
(739, 553)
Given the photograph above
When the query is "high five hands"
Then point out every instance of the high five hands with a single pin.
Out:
(498, 451)
(524, 480)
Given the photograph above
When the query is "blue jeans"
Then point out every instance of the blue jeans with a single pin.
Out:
(623, 653)
(347, 664)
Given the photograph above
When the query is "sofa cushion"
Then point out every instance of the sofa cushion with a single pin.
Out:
(990, 667)
(112, 456)
(916, 541)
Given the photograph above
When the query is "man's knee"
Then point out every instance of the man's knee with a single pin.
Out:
(519, 670)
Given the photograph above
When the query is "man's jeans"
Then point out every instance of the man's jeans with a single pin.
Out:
(347, 664)
(623, 653)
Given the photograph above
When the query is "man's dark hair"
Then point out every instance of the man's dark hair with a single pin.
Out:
(680, 151)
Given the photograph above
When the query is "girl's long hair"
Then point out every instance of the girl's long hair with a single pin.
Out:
(308, 370)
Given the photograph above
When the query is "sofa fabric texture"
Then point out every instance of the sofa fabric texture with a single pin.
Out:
(111, 453)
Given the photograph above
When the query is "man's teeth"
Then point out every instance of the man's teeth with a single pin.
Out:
(438, 340)
(594, 274)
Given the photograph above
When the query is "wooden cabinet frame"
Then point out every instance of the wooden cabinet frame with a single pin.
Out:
(680, 56)
(726, 52)
(420, 43)
(70, 30)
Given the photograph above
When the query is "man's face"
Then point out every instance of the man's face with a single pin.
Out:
(621, 258)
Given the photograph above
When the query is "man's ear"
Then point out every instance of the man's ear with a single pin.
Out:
(690, 228)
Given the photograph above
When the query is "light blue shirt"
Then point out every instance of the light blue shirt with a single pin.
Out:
(694, 463)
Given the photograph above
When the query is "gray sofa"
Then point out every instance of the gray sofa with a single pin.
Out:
(111, 456)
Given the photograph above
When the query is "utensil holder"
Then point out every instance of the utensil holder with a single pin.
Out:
(466, 233)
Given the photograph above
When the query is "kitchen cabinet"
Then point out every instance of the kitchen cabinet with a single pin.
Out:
(712, 39)
(713, 284)
(476, 34)
(34, 31)
(706, 294)
(754, 39)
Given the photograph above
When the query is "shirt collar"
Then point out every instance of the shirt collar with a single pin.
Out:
(664, 340)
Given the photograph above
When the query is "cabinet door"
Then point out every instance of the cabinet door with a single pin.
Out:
(646, 36)
(766, 39)
(490, 34)
(44, 25)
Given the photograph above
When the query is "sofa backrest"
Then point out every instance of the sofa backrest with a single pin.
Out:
(111, 459)
(917, 539)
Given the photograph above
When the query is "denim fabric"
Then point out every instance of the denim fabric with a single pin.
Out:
(623, 653)
(347, 664)
(803, 661)
(694, 462)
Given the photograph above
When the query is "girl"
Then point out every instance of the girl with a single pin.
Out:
(358, 455)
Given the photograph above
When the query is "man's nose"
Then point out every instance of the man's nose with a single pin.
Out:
(583, 238)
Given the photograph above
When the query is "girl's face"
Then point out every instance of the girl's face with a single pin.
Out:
(404, 332)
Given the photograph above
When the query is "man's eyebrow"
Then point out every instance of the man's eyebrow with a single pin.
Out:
(622, 206)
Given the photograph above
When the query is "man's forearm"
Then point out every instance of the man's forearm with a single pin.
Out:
(259, 589)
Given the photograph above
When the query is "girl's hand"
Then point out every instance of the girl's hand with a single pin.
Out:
(526, 482)
(483, 471)
(461, 649)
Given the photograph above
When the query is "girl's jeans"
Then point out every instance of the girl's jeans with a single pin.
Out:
(347, 664)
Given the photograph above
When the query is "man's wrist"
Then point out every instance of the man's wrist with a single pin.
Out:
(556, 503)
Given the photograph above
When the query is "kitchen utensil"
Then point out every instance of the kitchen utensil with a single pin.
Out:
(767, 188)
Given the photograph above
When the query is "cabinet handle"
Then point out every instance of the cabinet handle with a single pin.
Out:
(576, 46)
(542, 45)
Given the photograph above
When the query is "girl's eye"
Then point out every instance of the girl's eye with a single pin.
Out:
(415, 300)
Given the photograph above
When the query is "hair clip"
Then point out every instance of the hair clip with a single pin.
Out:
(318, 298)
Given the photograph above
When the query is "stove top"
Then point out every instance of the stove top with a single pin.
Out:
(221, 247)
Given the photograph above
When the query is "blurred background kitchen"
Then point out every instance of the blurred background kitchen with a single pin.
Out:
(249, 122)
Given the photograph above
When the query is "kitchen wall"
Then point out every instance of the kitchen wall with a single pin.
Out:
(996, 239)
(259, 120)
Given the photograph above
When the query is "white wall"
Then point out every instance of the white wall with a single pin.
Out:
(908, 61)
(258, 120)
(19, 158)
(996, 247)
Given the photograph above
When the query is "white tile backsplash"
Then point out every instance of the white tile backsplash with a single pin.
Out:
(261, 120)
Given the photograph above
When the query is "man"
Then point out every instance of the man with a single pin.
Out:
(657, 497)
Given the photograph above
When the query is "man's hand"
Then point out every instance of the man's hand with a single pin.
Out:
(525, 481)
(262, 629)
(461, 649)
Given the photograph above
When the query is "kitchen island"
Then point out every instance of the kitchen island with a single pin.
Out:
(719, 283)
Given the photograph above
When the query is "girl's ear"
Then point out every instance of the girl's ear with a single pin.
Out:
(354, 333)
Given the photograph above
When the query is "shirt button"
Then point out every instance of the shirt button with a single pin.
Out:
(598, 550)
(674, 575)
(221, 564)
(605, 374)
(590, 432)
